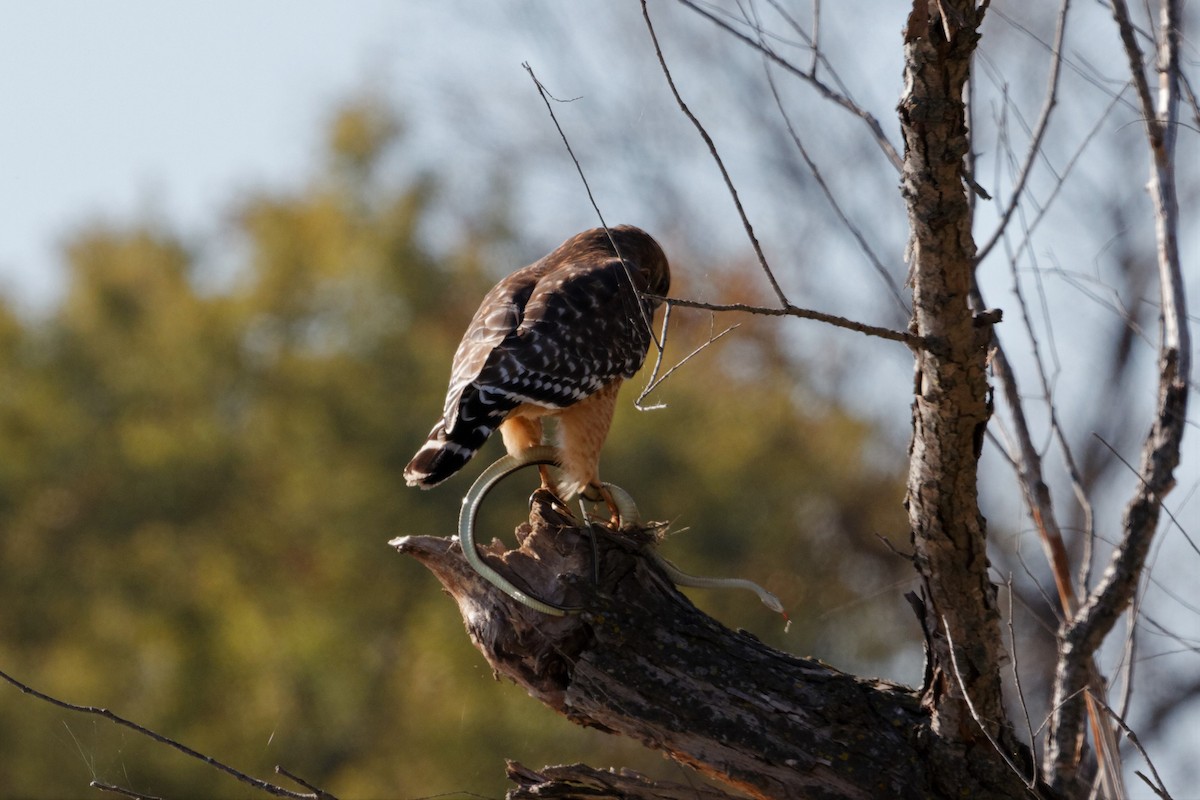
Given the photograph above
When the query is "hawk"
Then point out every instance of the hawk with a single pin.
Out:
(553, 339)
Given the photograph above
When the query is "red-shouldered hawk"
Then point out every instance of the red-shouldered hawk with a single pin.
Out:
(555, 338)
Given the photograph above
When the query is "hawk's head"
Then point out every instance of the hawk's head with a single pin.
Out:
(639, 249)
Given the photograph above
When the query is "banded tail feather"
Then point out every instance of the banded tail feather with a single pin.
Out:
(444, 454)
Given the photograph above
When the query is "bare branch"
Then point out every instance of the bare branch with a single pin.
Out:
(654, 380)
(712, 148)
(1035, 143)
(810, 77)
(1137, 66)
(261, 785)
(1028, 466)
(789, 310)
(833, 203)
(1161, 450)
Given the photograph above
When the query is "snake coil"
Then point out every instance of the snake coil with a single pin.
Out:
(626, 510)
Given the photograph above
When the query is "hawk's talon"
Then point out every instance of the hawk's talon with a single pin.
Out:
(622, 510)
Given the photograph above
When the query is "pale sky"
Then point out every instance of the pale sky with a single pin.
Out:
(126, 107)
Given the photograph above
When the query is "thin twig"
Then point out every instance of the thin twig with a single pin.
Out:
(1054, 607)
(1153, 788)
(1035, 144)
(1191, 98)
(658, 359)
(1170, 514)
(1083, 70)
(1016, 671)
(1161, 790)
(321, 794)
(876, 262)
(814, 43)
(1027, 240)
(262, 785)
(1031, 780)
(823, 89)
(546, 96)
(712, 149)
(121, 790)
(654, 380)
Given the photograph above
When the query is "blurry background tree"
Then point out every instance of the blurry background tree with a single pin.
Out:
(199, 465)
(198, 482)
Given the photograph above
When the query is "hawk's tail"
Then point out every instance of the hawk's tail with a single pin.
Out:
(444, 454)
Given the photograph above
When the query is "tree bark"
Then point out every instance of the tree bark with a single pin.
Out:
(642, 661)
(581, 781)
(952, 402)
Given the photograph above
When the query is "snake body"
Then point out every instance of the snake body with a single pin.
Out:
(626, 510)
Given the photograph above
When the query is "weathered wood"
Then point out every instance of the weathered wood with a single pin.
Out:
(644, 662)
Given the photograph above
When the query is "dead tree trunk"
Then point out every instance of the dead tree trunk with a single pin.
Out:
(642, 661)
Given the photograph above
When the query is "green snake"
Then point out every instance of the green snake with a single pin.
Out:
(626, 510)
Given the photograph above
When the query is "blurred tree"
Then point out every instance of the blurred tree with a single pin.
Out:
(197, 485)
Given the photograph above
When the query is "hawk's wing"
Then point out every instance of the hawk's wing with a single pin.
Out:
(550, 335)
(550, 339)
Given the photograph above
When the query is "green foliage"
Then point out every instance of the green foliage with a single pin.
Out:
(197, 488)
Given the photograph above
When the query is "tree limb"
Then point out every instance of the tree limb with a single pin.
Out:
(790, 310)
(642, 661)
